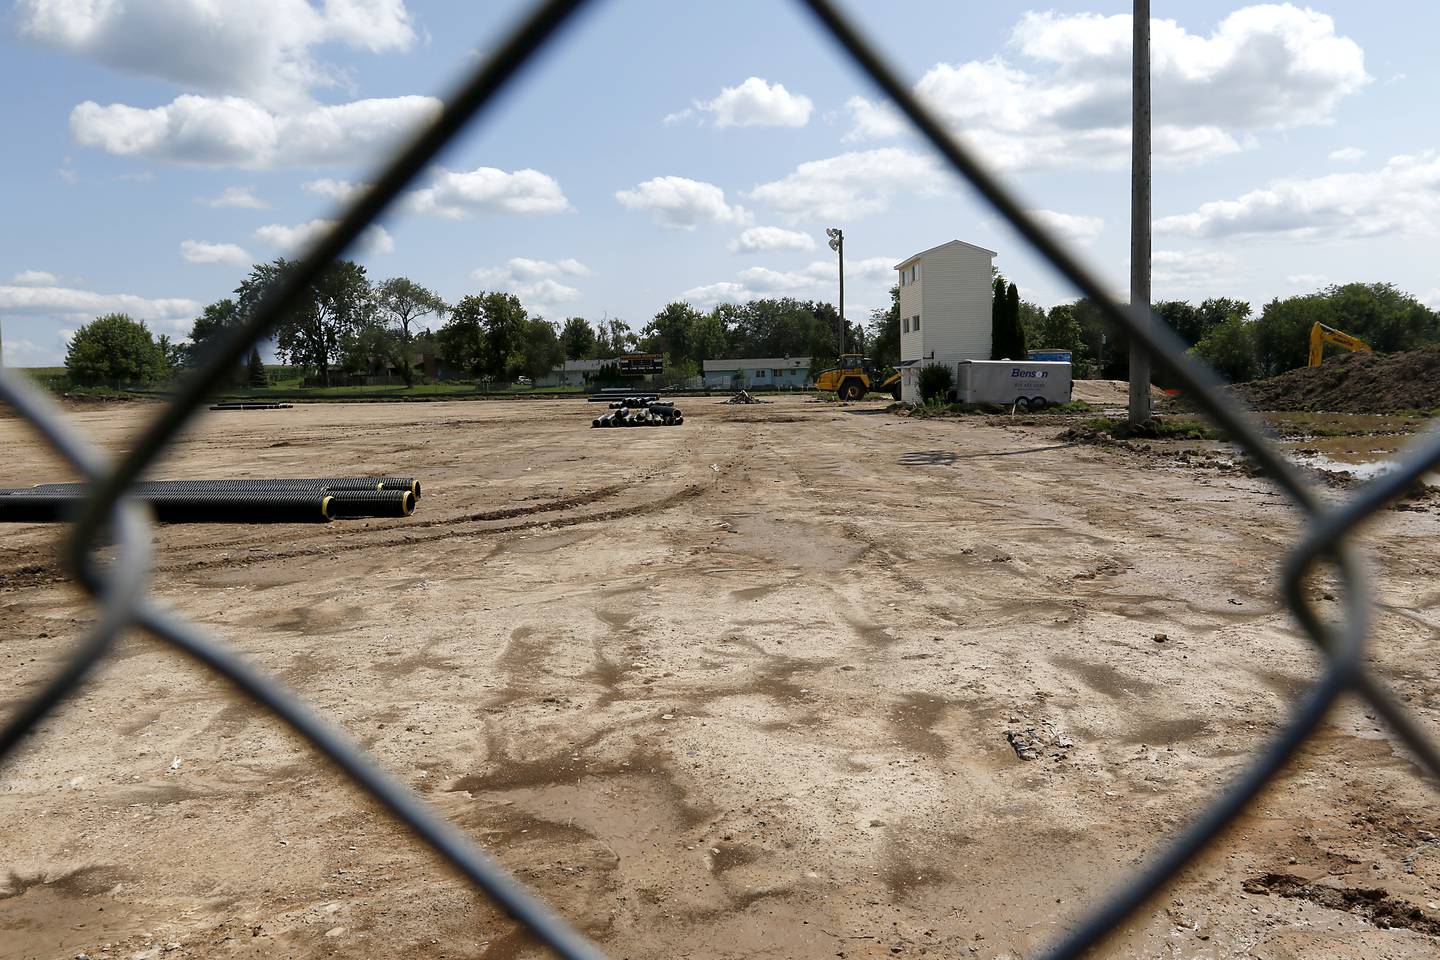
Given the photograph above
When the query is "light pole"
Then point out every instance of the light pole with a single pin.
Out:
(837, 243)
(1140, 209)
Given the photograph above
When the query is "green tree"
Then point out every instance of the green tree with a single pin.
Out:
(484, 335)
(255, 374)
(578, 339)
(317, 330)
(613, 338)
(400, 304)
(671, 331)
(998, 341)
(172, 353)
(461, 341)
(708, 338)
(1229, 348)
(214, 320)
(113, 350)
(538, 348)
(884, 332)
(1014, 329)
(375, 344)
(936, 381)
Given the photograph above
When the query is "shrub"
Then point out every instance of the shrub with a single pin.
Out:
(936, 381)
(112, 350)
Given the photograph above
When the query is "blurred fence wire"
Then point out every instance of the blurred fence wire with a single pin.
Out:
(112, 521)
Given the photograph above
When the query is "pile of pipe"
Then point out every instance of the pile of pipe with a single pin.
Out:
(249, 405)
(650, 413)
(744, 397)
(312, 500)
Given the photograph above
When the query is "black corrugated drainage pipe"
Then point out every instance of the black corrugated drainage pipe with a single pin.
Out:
(31, 506)
(371, 503)
(312, 484)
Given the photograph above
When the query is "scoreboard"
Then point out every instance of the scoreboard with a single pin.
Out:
(636, 364)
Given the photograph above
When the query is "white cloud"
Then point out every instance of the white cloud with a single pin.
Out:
(341, 190)
(715, 293)
(167, 314)
(236, 132)
(486, 190)
(1348, 155)
(535, 281)
(198, 251)
(374, 239)
(1403, 197)
(28, 353)
(754, 103)
(259, 49)
(1185, 269)
(1074, 227)
(34, 278)
(1264, 67)
(1315, 280)
(816, 280)
(771, 240)
(852, 184)
(241, 197)
(681, 204)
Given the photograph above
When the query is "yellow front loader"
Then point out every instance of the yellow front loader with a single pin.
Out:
(1320, 335)
(854, 376)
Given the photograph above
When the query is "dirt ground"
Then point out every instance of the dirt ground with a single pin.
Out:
(795, 680)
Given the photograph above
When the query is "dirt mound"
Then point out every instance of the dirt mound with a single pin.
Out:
(1107, 391)
(1354, 383)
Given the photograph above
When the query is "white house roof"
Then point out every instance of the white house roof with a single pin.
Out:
(757, 363)
(911, 259)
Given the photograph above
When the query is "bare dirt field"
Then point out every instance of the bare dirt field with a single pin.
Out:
(797, 680)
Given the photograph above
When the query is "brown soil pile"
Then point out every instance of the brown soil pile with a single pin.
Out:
(1354, 383)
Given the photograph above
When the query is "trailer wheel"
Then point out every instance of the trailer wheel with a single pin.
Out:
(1038, 403)
(851, 390)
(1021, 404)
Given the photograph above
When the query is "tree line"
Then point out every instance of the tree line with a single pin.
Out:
(346, 323)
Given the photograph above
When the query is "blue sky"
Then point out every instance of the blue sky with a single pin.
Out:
(666, 150)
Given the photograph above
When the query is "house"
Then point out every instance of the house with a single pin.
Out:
(784, 372)
(571, 373)
(945, 306)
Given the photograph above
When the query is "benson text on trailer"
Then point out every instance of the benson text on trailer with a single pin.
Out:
(1029, 384)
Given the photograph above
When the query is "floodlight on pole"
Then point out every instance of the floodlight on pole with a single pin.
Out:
(837, 243)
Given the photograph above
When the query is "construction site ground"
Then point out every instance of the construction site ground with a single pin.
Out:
(794, 680)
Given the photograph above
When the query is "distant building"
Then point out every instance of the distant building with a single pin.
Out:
(945, 299)
(571, 373)
(785, 372)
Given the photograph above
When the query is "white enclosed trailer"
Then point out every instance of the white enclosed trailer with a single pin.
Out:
(1038, 383)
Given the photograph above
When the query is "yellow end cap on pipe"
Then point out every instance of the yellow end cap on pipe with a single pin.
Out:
(408, 503)
(325, 507)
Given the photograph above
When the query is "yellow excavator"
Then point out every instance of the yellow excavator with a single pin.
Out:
(854, 375)
(1320, 335)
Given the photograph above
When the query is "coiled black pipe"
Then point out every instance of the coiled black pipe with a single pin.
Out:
(371, 503)
(188, 507)
(297, 485)
(664, 409)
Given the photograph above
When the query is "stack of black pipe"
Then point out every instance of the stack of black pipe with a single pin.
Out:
(312, 500)
(249, 405)
(650, 413)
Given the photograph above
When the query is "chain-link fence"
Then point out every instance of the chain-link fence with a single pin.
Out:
(112, 521)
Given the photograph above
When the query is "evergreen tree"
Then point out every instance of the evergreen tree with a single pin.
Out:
(997, 320)
(1015, 332)
(255, 373)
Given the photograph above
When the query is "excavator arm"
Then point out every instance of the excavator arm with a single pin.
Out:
(1320, 334)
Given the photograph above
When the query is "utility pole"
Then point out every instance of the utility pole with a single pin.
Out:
(1140, 210)
(837, 243)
